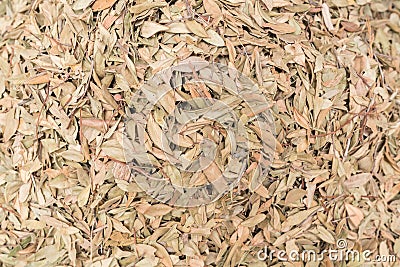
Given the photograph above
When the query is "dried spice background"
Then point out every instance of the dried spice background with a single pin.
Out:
(69, 68)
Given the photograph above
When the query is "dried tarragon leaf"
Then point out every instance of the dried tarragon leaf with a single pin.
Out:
(331, 70)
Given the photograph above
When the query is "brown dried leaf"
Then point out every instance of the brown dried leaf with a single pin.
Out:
(253, 221)
(42, 78)
(355, 214)
(326, 14)
(299, 217)
(150, 28)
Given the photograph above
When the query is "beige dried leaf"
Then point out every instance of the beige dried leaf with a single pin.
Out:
(83, 196)
(144, 6)
(10, 125)
(196, 28)
(81, 4)
(72, 154)
(355, 214)
(281, 27)
(119, 226)
(212, 8)
(157, 135)
(326, 14)
(113, 149)
(158, 210)
(300, 119)
(214, 38)
(42, 78)
(253, 221)
(393, 192)
(163, 254)
(325, 235)
(24, 191)
(178, 27)
(299, 217)
(149, 28)
(294, 195)
(357, 180)
(102, 4)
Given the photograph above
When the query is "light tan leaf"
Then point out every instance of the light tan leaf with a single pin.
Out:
(178, 27)
(149, 28)
(212, 8)
(196, 28)
(81, 4)
(299, 217)
(358, 180)
(24, 191)
(355, 214)
(281, 27)
(325, 235)
(11, 125)
(43, 78)
(394, 191)
(168, 101)
(163, 254)
(33, 224)
(158, 210)
(157, 135)
(326, 14)
(253, 221)
(297, 52)
(114, 150)
(294, 195)
(83, 196)
(139, 8)
(104, 95)
(102, 4)
(269, 4)
(119, 226)
(214, 38)
(73, 155)
(300, 119)
(212, 172)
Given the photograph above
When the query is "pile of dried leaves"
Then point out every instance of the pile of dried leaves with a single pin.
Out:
(330, 69)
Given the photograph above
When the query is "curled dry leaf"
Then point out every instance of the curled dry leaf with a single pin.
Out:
(355, 215)
(326, 14)
(102, 4)
(212, 8)
(69, 69)
(196, 28)
(150, 28)
(214, 38)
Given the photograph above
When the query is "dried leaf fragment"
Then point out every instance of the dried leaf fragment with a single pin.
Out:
(196, 28)
(253, 221)
(158, 210)
(212, 8)
(81, 4)
(102, 4)
(297, 218)
(43, 78)
(149, 28)
(139, 8)
(355, 214)
(214, 38)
